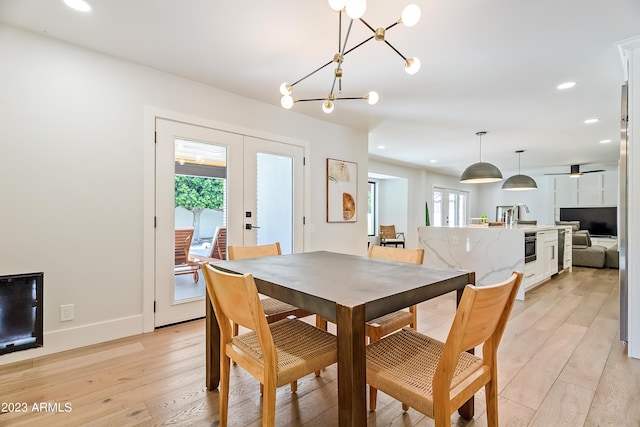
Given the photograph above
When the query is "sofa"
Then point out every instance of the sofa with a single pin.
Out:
(612, 257)
(584, 253)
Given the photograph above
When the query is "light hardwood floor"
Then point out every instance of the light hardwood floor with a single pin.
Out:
(560, 364)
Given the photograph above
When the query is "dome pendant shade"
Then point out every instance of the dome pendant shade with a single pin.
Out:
(519, 183)
(481, 173)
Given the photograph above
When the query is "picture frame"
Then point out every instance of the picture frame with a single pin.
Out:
(342, 191)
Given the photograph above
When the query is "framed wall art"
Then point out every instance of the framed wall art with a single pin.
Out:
(342, 191)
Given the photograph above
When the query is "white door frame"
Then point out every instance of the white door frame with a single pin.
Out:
(148, 196)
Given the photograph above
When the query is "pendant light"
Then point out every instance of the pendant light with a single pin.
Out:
(481, 172)
(519, 182)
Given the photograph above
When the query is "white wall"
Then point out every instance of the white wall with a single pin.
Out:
(539, 202)
(393, 202)
(72, 177)
(419, 184)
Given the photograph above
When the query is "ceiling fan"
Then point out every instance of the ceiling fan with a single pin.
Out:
(575, 171)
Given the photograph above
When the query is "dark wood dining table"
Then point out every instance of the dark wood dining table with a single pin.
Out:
(347, 290)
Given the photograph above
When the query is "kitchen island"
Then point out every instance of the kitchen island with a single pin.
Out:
(494, 252)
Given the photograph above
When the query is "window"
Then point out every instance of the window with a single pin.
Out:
(371, 209)
(449, 207)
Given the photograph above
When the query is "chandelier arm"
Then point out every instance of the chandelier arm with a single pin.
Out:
(311, 99)
(391, 26)
(333, 85)
(346, 38)
(367, 24)
(358, 45)
(312, 73)
(335, 99)
(396, 50)
(339, 30)
(350, 97)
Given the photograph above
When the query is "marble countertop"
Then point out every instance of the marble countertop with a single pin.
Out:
(525, 227)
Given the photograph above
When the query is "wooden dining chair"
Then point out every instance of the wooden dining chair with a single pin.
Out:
(275, 354)
(377, 328)
(274, 309)
(437, 378)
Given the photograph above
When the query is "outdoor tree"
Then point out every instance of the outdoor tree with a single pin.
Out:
(196, 193)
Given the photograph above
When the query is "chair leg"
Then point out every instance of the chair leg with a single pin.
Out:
(374, 335)
(491, 395)
(373, 398)
(224, 390)
(321, 323)
(294, 386)
(269, 406)
(414, 317)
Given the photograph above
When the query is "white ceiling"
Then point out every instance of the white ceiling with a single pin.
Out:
(487, 65)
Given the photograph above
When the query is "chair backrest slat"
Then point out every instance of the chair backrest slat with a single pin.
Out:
(246, 252)
(480, 319)
(235, 299)
(413, 256)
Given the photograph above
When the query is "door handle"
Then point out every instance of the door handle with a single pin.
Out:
(250, 226)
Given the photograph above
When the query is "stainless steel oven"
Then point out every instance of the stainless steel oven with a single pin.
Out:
(529, 247)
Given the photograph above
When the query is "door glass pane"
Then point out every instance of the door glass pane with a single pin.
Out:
(462, 210)
(274, 200)
(200, 206)
(453, 210)
(371, 209)
(437, 208)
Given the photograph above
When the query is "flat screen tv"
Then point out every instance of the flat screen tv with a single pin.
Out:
(20, 312)
(599, 221)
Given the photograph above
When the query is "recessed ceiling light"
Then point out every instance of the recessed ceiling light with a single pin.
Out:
(79, 5)
(589, 121)
(566, 85)
(605, 141)
(381, 147)
(433, 161)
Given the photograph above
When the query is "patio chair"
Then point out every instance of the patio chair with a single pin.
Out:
(218, 248)
(275, 354)
(388, 236)
(436, 378)
(183, 264)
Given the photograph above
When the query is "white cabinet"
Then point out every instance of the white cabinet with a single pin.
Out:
(567, 262)
(532, 274)
(547, 252)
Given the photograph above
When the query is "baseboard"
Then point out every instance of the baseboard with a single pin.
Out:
(81, 336)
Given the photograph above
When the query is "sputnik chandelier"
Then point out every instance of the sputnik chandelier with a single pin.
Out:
(354, 9)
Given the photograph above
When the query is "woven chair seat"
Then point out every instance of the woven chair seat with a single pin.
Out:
(391, 322)
(276, 310)
(403, 365)
(301, 348)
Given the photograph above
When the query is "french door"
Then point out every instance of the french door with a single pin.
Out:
(449, 207)
(208, 180)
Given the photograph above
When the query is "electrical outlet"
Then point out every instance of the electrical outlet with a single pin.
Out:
(66, 312)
